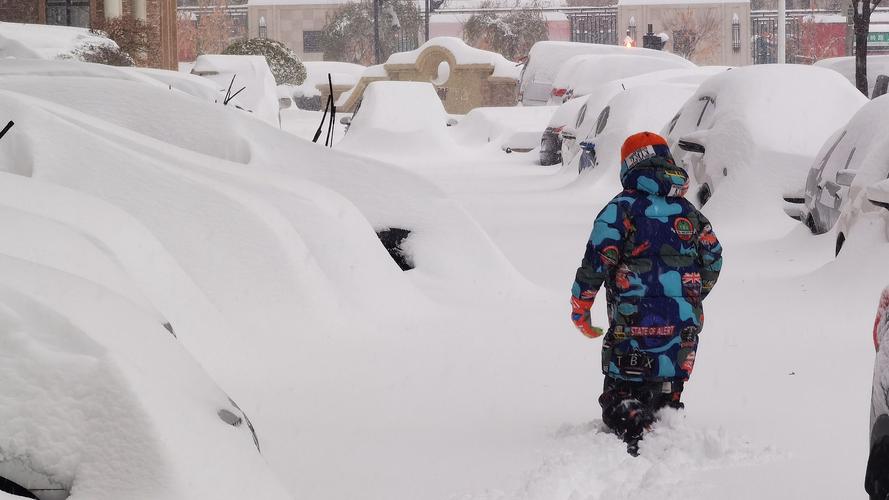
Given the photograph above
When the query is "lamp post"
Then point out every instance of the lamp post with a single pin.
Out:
(782, 31)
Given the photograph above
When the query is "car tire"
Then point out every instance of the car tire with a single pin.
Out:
(704, 194)
(841, 238)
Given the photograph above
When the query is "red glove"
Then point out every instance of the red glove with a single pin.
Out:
(580, 315)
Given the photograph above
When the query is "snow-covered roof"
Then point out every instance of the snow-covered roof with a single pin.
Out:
(463, 54)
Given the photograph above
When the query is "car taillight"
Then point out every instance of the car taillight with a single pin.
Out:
(559, 92)
(557, 130)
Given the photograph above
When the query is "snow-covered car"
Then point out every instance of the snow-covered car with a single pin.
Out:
(551, 140)
(594, 114)
(876, 481)
(399, 116)
(513, 129)
(544, 61)
(759, 124)
(859, 148)
(579, 75)
(245, 82)
(343, 76)
(877, 70)
(645, 107)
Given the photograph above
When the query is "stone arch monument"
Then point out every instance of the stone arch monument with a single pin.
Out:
(464, 77)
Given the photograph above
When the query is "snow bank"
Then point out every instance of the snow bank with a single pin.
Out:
(39, 41)
(193, 85)
(251, 73)
(463, 53)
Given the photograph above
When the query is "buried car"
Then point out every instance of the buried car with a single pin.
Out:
(849, 161)
(772, 117)
(581, 74)
(596, 113)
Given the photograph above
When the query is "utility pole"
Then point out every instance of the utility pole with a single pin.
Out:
(377, 54)
(426, 10)
(782, 31)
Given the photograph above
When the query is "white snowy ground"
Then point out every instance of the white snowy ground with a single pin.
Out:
(462, 379)
(497, 400)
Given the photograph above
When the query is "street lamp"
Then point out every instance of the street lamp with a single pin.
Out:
(631, 27)
(736, 32)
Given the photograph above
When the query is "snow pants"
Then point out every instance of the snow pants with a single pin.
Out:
(628, 407)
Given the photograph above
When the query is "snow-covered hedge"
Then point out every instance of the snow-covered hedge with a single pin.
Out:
(284, 63)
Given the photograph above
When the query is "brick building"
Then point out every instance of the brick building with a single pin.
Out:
(87, 13)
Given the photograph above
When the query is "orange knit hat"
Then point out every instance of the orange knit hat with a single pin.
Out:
(638, 141)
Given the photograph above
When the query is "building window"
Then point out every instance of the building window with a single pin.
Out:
(68, 12)
(311, 41)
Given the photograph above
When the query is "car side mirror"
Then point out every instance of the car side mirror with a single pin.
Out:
(568, 133)
(284, 102)
(845, 177)
(346, 120)
(451, 122)
(692, 147)
(832, 187)
(878, 195)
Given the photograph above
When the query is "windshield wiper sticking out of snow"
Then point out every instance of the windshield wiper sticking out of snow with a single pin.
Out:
(328, 141)
(228, 93)
(6, 128)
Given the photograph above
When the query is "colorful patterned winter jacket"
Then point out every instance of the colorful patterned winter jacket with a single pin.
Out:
(659, 258)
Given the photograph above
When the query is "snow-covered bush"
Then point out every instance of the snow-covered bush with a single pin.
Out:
(349, 35)
(111, 55)
(511, 34)
(284, 63)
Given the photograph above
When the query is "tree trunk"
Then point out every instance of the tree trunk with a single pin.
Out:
(862, 26)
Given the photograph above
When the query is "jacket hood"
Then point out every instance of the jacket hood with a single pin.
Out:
(656, 175)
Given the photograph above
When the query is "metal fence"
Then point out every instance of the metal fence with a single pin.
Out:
(596, 25)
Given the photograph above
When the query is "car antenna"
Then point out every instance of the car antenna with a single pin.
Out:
(6, 128)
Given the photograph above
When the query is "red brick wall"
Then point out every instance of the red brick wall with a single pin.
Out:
(20, 11)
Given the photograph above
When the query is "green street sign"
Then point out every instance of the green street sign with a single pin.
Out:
(880, 39)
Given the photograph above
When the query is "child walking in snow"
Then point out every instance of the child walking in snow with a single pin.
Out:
(658, 258)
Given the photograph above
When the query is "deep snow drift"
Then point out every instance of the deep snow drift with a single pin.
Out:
(131, 205)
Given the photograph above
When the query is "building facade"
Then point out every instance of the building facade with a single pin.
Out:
(707, 33)
(295, 23)
(89, 13)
